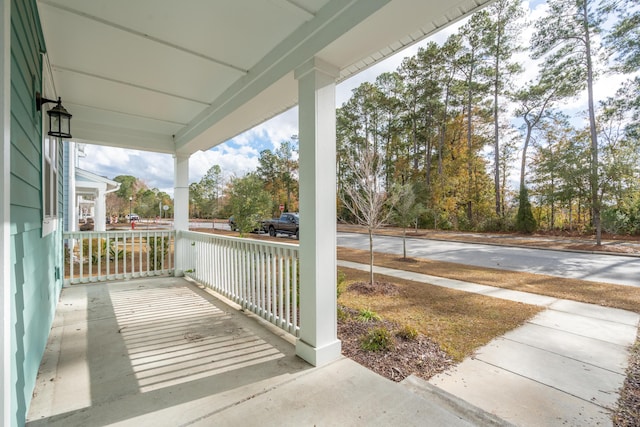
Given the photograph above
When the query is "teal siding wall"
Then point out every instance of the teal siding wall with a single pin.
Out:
(36, 260)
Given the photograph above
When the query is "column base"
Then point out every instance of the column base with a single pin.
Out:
(319, 356)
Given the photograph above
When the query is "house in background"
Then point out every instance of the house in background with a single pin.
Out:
(170, 77)
(84, 192)
(91, 192)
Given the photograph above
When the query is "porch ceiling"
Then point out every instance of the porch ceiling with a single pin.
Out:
(168, 76)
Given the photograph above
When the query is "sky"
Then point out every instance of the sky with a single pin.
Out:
(240, 155)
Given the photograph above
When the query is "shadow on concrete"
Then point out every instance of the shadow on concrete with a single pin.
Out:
(126, 350)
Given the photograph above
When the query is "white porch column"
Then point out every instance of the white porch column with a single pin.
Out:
(72, 200)
(101, 209)
(5, 223)
(318, 343)
(180, 204)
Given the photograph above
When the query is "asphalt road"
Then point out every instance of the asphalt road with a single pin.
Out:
(622, 270)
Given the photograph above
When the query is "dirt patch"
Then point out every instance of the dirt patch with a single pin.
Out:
(377, 288)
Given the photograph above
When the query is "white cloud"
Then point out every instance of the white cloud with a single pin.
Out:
(232, 162)
(275, 131)
(154, 169)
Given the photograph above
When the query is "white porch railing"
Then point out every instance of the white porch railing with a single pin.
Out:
(92, 256)
(260, 276)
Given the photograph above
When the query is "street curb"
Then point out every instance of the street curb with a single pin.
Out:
(453, 403)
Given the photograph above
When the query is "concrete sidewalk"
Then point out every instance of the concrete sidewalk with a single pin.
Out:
(563, 367)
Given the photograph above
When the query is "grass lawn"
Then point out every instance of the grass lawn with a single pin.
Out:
(460, 322)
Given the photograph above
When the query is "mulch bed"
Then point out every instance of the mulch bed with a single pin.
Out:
(420, 356)
(377, 288)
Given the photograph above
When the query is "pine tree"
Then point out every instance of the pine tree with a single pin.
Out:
(525, 222)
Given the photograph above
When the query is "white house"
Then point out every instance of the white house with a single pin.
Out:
(91, 191)
(84, 192)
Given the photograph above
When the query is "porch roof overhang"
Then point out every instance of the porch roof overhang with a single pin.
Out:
(89, 183)
(176, 77)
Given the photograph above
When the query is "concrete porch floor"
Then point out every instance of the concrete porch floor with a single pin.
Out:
(166, 352)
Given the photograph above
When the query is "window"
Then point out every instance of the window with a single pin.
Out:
(49, 183)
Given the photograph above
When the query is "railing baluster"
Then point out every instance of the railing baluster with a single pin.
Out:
(142, 248)
(280, 288)
(267, 284)
(117, 256)
(124, 255)
(287, 276)
(246, 276)
(108, 254)
(263, 278)
(274, 285)
(99, 251)
(133, 250)
(236, 272)
(253, 267)
(294, 296)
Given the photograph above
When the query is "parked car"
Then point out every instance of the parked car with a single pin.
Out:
(134, 217)
(288, 223)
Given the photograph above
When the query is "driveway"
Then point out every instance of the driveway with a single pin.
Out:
(616, 269)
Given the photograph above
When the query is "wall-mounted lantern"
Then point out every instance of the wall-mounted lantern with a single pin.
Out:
(59, 117)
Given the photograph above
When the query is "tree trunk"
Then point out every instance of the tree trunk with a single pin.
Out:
(593, 131)
(523, 162)
(570, 215)
(469, 151)
(415, 141)
(496, 135)
(371, 256)
(404, 243)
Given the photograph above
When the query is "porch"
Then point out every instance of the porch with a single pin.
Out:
(168, 351)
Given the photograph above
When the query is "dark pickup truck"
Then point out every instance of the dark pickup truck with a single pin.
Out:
(287, 224)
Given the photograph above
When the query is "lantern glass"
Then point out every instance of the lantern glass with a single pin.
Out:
(65, 126)
(54, 124)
